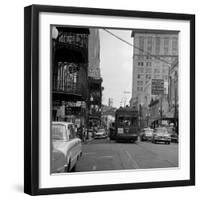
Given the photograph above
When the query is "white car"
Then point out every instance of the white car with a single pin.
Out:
(161, 134)
(146, 134)
(101, 133)
(66, 147)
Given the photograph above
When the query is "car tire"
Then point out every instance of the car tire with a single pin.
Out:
(73, 168)
(69, 166)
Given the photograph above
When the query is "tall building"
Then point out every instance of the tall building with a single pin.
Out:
(154, 51)
(94, 79)
(110, 102)
(94, 54)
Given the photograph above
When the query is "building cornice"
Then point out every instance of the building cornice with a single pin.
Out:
(153, 31)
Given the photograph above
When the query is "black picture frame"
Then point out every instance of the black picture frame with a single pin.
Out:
(31, 98)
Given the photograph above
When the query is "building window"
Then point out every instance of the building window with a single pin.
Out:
(174, 46)
(148, 64)
(140, 76)
(156, 70)
(141, 44)
(149, 44)
(139, 89)
(148, 70)
(166, 46)
(139, 83)
(148, 57)
(157, 45)
(140, 64)
(140, 70)
(140, 57)
(148, 76)
(157, 76)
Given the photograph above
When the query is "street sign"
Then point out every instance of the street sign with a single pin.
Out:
(157, 86)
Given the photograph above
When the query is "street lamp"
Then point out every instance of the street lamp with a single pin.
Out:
(91, 98)
(54, 32)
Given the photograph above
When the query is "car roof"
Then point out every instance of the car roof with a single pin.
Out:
(62, 123)
(148, 129)
(161, 128)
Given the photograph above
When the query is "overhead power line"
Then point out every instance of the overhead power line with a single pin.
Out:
(117, 37)
(132, 45)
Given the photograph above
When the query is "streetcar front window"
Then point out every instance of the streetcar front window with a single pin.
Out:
(125, 121)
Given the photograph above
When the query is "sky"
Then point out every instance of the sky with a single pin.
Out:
(116, 66)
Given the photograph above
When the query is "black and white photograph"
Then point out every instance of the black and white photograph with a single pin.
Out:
(114, 99)
(109, 100)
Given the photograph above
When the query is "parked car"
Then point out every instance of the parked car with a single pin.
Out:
(66, 147)
(101, 133)
(174, 137)
(146, 134)
(161, 135)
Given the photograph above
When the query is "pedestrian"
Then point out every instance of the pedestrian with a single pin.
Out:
(83, 133)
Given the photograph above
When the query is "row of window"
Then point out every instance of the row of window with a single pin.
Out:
(153, 58)
(142, 64)
(149, 70)
(155, 76)
(141, 57)
(167, 40)
(139, 89)
(144, 70)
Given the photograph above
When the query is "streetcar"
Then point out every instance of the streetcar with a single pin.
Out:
(126, 124)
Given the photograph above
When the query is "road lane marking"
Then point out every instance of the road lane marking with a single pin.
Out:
(131, 158)
(105, 156)
(89, 153)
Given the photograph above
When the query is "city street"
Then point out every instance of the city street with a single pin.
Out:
(93, 93)
(103, 154)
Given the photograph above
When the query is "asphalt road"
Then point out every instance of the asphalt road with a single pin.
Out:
(103, 154)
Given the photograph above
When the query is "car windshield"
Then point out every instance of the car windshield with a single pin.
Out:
(148, 131)
(58, 132)
(161, 131)
(170, 129)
